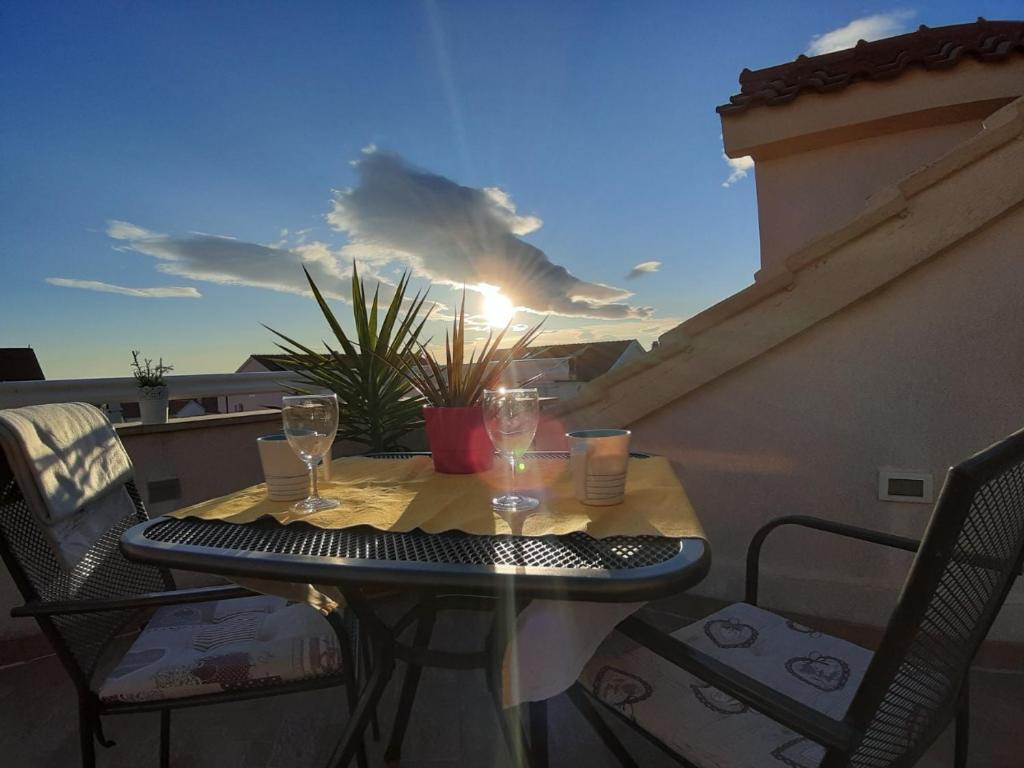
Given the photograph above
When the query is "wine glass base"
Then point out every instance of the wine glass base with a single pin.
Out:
(314, 504)
(514, 503)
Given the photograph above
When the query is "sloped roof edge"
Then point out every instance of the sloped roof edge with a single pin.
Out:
(893, 233)
(886, 59)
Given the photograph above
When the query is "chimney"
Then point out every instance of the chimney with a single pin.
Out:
(827, 132)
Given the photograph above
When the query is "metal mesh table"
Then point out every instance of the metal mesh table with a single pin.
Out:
(438, 566)
(575, 566)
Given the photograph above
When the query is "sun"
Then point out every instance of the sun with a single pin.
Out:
(498, 310)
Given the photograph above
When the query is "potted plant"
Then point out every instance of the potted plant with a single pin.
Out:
(152, 388)
(378, 406)
(453, 390)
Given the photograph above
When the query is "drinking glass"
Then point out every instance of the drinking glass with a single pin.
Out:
(310, 423)
(510, 416)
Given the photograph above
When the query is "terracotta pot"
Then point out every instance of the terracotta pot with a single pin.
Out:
(458, 440)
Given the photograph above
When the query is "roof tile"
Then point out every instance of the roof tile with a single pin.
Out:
(939, 48)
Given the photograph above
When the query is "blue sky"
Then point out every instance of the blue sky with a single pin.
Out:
(584, 133)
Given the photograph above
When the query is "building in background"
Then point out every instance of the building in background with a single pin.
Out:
(556, 370)
(559, 370)
(19, 364)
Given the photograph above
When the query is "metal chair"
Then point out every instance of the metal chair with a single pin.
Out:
(83, 611)
(897, 701)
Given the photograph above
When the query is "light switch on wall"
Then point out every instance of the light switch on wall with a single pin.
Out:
(905, 485)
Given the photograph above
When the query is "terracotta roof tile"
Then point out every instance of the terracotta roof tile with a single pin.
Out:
(938, 48)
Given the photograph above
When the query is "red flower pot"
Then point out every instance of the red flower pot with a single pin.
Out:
(458, 440)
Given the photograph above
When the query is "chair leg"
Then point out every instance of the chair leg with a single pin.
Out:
(583, 704)
(86, 721)
(963, 724)
(345, 629)
(100, 736)
(165, 738)
(538, 714)
(410, 683)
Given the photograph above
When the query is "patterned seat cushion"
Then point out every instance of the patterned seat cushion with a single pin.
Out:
(710, 728)
(201, 648)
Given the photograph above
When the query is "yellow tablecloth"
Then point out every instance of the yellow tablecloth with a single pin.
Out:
(405, 494)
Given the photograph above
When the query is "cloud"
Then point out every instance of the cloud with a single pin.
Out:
(873, 27)
(740, 167)
(169, 292)
(643, 268)
(460, 235)
(225, 260)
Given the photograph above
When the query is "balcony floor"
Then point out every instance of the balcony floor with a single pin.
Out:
(453, 722)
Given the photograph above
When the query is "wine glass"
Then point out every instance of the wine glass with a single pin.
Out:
(510, 416)
(310, 423)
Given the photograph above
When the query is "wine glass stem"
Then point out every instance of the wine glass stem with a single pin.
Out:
(512, 460)
(314, 493)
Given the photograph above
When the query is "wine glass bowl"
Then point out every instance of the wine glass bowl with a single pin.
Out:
(511, 416)
(310, 424)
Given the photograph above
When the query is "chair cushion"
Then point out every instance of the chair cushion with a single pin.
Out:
(201, 648)
(710, 728)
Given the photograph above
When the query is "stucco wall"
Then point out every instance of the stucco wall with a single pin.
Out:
(803, 196)
(918, 376)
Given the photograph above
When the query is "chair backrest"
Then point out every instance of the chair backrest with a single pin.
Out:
(970, 555)
(103, 572)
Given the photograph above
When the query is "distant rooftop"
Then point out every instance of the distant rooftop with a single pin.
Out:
(19, 364)
(589, 359)
(939, 48)
(270, 362)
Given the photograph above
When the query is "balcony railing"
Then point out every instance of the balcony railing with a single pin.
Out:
(124, 390)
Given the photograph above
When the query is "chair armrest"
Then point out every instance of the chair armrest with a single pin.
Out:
(146, 600)
(795, 715)
(818, 524)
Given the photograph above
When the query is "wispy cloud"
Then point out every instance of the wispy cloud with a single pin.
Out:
(740, 167)
(872, 27)
(169, 292)
(461, 235)
(220, 259)
(643, 268)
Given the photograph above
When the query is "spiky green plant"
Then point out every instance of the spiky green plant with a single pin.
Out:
(460, 382)
(146, 374)
(378, 405)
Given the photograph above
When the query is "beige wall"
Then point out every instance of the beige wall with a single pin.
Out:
(210, 456)
(917, 376)
(803, 196)
(819, 158)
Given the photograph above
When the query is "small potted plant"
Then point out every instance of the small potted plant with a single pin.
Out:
(454, 388)
(152, 388)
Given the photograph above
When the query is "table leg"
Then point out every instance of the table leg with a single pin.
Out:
(583, 704)
(424, 629)
(344, 629)
(380, 674)
(510, 720)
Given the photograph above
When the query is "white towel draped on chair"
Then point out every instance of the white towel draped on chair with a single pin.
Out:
(72, 469)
